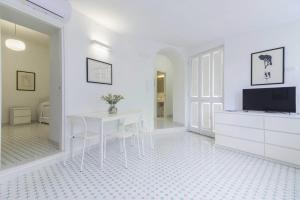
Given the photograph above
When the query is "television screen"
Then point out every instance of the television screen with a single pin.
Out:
(270, 99)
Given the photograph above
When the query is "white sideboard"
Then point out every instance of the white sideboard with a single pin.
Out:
(19, 115)
(275, 136)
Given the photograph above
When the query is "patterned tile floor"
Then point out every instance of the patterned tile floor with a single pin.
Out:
(182, 166)
(24, 143)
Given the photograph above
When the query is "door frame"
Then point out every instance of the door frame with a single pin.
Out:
(20, 14)
(189, 98)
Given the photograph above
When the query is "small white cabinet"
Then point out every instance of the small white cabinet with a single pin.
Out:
(19, 115)
(275, 136)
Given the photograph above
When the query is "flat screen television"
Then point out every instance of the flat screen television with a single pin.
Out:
(281, 99)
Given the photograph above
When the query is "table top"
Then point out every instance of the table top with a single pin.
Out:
(106, 116)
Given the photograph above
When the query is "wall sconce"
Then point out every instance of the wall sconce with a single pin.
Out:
(100, 45)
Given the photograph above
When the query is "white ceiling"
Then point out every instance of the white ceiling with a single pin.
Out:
(8, 28)
(188, 22)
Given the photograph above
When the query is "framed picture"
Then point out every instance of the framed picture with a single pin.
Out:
(267, 67)
(25, 81)
(98, 72)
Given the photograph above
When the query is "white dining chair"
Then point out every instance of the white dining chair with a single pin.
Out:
(128, 127)
(79, 131)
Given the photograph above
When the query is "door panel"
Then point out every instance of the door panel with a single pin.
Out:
(217, 68)
(205, 75)
(194, 78)
(194, 122)
(205, 116)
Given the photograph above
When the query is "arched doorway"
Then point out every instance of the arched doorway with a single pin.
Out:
(169, 89)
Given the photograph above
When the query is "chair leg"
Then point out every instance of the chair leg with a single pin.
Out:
(82, 156)
(143, 145)
(151, 140)
(138, 143)
(104, 155)
(71, 148)
(121, 146)
(125, 152)
(132, 140)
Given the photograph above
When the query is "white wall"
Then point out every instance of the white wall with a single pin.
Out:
(163, 64)
(34, 59)
(237, 60)
(179, 87)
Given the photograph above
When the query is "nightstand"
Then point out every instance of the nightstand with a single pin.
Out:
(19, 115)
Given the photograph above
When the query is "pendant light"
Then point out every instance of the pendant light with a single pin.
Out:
(15, 44)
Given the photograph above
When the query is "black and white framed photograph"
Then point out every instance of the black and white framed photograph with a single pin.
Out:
(267, 67)
(98, 71)
(25, 81)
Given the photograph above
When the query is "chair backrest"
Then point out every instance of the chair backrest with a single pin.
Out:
(78, 125)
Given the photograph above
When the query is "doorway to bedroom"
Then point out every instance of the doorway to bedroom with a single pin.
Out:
(169, 106)
(28, 129)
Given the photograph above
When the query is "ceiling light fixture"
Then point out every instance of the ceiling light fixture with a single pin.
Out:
(15, 44)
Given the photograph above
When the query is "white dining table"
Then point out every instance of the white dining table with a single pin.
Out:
(102, 117)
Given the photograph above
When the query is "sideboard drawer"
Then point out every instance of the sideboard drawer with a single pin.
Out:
(243, 145)
(290, 125)
(283, 139)
(251, 121)
(240, 132)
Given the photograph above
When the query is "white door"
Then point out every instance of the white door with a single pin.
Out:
(206, 90)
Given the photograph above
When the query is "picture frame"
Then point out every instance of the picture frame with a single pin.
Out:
(26, 81)
(267, 67)
(98, 71)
